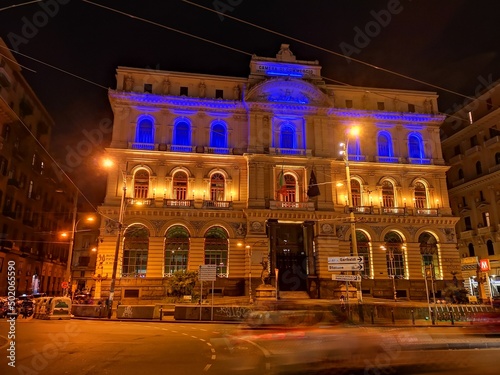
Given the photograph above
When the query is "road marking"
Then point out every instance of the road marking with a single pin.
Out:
(214, 356)
(207, 367)
(185, 334)
(209, 344)
(202, 340)
(175, 331)
(212, 349)
(194, 337)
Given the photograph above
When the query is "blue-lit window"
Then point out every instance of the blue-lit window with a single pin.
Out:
(182, 134)
(144, 131)
(415, 147)
(353, 149)
(287, 137)
(218, 136)
(384, 144)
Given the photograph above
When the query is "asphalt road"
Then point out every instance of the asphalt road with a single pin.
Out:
(113, 347)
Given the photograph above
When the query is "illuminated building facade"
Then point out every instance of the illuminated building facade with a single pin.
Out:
(210, 162)
(32, 212)
(471, 147)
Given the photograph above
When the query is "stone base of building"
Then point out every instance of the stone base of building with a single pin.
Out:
(265, 292)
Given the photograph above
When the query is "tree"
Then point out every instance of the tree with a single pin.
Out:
(182, 283)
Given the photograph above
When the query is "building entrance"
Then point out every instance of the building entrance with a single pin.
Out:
(291, 257)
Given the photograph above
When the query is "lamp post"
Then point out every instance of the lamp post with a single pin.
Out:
(249, 252)
(71, 243)
(108, 164)
(393, 270)
(352, 220)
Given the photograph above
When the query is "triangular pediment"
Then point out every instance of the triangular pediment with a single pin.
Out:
(288, 91)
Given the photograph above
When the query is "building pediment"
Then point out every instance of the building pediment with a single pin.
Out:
(288, 91)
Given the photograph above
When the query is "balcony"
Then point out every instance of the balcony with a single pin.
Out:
(472, 150)
(426, 211)
(139, 201)
(10, 214)
(217, 205)
(178, 203)
(365, 210)
(485, 230)
(143, 146)
(387, 159)
(218, 150)
(458, 182)
(467, 234)
(419, 161)
(492, 141)
(494, 168)
(456, 159)
(178, 148)
(290, 151)
(400, 211)
(13, 182)
(279, 205)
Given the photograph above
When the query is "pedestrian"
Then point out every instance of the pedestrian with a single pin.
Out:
(342, 302)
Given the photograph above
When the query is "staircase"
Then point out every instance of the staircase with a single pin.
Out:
(294, 295)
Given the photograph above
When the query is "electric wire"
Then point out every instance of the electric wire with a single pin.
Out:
(20, 5)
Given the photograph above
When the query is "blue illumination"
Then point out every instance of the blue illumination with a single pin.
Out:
(218, 135)
(144, 130)
(415, 146)
(384, 144)
(182, 133)
(284, 74)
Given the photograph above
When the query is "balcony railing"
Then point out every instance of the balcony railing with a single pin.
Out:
(492, 141)
(289, 151)
(387, 159)
(178, 203)
(139, 201)
(472, 150)
(456, 159)
(218, 150)
(365, 210)
(178, 148)
(426, 211)
(458, 182)
(419, 161)
(393, 210)
(217, 205)
(279, 205)
(143, 146)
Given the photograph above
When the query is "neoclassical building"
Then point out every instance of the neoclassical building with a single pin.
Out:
(471, 146)
(247, 173)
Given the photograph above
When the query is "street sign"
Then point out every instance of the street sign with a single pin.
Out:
(484, 265)
(346, 267)
(357, 259)
(64, 285)
(352, 278)
(208, 272)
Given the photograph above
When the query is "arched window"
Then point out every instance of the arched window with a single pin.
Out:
(180, 185)
(141, 184)
(287, 137)
(135, 251)
(479, 168)
(176, 250)
(415, 147)
(384, 144)
(387, 194)
(363, 243)
(394, 255)
(472, 252)
(216, 249)
(489, 246)
(291, 188)
(218, 136)
(144, 131)
(182, 134)
(420, 195)
(497, 158)
(356, 193)
(460, 174)
(217, 187)
(429, 253)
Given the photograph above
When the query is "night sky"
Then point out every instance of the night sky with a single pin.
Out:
(452, 45)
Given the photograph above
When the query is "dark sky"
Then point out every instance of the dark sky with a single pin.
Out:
(453, 44)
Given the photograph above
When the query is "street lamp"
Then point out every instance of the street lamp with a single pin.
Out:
(353, 132)
(393, 270)
(109, 163)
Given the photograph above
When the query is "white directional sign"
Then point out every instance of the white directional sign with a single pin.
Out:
(357, 259)
(355, 278)
(346, 267)
(208, 272)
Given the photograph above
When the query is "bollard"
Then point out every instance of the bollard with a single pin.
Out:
(451, 317)
(433, 318)
(372, 316)
(393, 319)
(361, 313)
(161, 313)
(413, 317)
